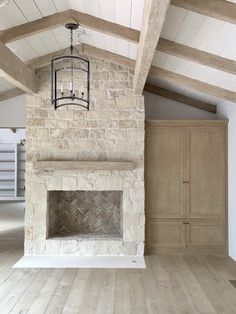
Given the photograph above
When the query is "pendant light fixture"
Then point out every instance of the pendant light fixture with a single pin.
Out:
(70, 77)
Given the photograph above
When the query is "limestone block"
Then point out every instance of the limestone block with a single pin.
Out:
(127, 124)
(28, 247)
(68, 247)
(118, 76)
(69, 183)
(28, 233)
(39, 248)
(53, 183)
(97, 134)
(138, 233)
(51, 123)
(116, 134)
(130, 248)
(84, 248)
(36, 122)
(42, 134)
(53, 247)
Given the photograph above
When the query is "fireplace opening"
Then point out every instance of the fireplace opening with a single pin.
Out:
(91, 214)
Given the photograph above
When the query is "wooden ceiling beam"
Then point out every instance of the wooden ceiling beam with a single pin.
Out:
(197, 56)
(196, 103)
(218, 9)
(59, 19)
(16, 71)
(154, 15)
(11, 93)
(179, 79)
(34, 27)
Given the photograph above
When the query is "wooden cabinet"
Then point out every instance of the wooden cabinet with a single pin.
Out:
(185, 177)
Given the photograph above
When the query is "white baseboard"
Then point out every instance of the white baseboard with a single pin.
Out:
(81, 262)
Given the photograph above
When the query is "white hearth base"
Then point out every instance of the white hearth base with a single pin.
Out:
(81, 262)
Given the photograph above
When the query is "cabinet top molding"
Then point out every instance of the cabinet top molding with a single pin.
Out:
(190, 123)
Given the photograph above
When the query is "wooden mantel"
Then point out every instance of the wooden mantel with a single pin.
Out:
(82, 165)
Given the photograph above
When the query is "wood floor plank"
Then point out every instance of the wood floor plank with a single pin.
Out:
(76, 295)
(208, 285)
(15, 293)
(60, 295)
(121, 303)
(199, 298)
(44, 297)
(27, 298)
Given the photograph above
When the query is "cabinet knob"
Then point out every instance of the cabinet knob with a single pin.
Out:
(186, 223)
(186, 181)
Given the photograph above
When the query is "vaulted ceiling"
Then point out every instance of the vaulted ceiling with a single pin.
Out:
(183, 25)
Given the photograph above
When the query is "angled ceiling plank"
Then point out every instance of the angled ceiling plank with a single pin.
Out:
(16, 71)
(153, 19)
(11, 93)
(219, 9)
(180, 98)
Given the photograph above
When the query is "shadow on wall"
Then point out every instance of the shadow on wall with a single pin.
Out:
(160, 108)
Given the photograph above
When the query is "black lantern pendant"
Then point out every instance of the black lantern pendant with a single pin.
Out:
(70, 77)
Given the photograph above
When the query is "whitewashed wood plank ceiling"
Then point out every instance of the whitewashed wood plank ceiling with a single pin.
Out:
(182, 26)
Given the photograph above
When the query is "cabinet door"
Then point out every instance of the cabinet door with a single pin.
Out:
(206, 234)
(207, 172)
(163, 172)
(166, 233)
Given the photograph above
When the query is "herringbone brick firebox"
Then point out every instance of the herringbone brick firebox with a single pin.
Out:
(96, 214)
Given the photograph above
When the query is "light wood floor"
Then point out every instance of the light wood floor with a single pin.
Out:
(170, 284)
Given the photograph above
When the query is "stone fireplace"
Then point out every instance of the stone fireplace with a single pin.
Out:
(94, 210)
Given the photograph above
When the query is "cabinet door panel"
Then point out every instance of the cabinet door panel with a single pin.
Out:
(206, 234)
(207, 172)
(165, 233)
(163, 172)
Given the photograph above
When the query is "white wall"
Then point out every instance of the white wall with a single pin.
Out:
(227, 110)
(13, 112)
(157, 107)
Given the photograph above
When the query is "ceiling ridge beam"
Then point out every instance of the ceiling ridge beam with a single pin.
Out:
(166, 93)
(218, 9)
(10, 93)
(154, 15)
(197, 56)
(194, 84)
(14, 70)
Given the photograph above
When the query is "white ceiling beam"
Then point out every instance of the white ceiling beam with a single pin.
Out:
(219, 9)
(153, 19)
(11, 93)
(16, 71)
